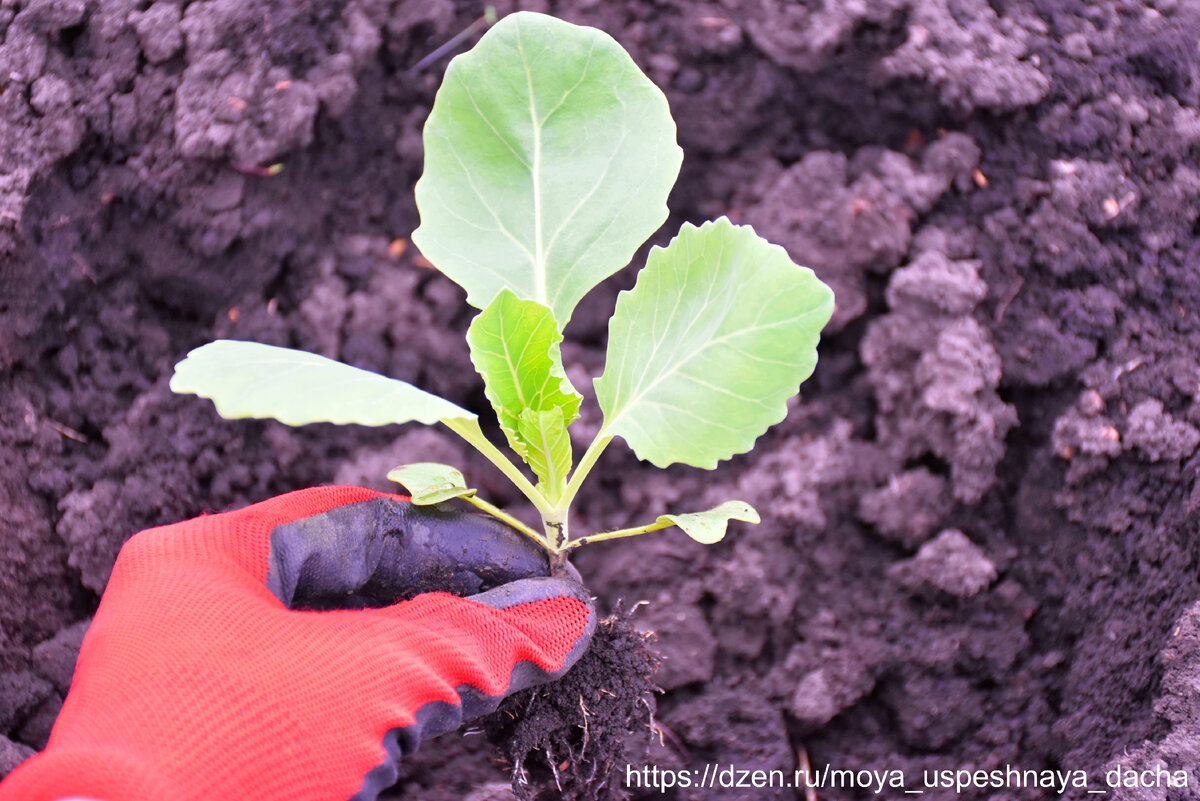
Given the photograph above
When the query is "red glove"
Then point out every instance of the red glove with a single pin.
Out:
(197, 681)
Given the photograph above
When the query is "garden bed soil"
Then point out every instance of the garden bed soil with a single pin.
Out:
(981, 517)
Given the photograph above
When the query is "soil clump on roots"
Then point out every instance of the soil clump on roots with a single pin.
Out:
(572, 739)
(979, 541)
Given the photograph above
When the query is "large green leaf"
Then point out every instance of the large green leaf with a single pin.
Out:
(249, 379)
(548, 160)
(430, 482)
(706, 349)
(709, 526)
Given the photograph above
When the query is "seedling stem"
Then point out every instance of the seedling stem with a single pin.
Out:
(470, 431)
(500, 514)
(617, 534)
(585, 466)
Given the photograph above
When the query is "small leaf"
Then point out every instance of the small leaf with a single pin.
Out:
(515, 347)
(429, 482)
(249, 379)
(709, 527)
(704, 352)
(548, 160)
(546, 447)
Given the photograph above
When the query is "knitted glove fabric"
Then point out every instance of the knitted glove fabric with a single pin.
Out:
(197, 681)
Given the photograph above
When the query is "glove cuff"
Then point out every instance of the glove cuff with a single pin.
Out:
(103, 774)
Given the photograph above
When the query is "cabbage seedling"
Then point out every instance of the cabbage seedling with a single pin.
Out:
(548, 160)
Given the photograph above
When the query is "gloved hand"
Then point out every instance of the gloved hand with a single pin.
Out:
(197, 681)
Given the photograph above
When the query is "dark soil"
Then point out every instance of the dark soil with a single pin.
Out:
(572, 739)
(981, 536)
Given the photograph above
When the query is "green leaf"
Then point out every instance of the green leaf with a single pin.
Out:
(705, 351)
(249, 379)
(546, 447)
(548, 160)
(515, 347)
(709, 527)
(429, 482)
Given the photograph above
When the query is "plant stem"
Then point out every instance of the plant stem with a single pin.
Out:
(622, 532)
(559, 566)
(557, 533)
(472, 433)
(500, 514)
(584, 467)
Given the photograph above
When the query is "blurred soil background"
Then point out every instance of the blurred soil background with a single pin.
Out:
(981, 535)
